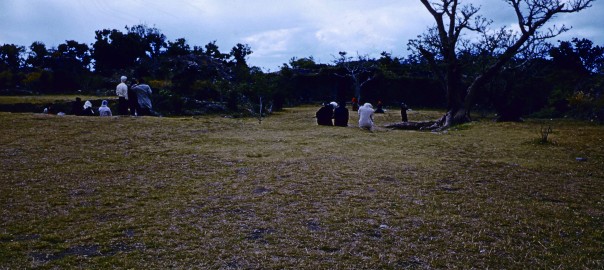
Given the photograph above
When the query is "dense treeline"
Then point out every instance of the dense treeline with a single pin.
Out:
(566, 81)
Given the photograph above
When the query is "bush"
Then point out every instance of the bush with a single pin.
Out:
(581, 105)
(6, 80)
(40, 81)
(584, 106)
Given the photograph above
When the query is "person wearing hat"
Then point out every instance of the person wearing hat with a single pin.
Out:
(122, 92)
(104, 110)
(87, 111)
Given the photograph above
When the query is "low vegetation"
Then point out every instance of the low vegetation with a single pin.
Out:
(229, 193)
(48, 99)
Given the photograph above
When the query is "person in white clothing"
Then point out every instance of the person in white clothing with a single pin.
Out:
(366, 116)
(104, 110)
(122, 92)
(88, 111)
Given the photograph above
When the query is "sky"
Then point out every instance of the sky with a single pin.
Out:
(276, 30)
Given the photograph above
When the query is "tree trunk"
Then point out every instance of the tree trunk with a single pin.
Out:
(457, 113)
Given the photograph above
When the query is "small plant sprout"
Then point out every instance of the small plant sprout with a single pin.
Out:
(545, 131)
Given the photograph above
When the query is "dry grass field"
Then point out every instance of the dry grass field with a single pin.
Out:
(229, 193)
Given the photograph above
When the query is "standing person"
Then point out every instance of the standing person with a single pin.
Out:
(88, 111)
(404, 109)
(143, 96)
(366, 116)
(132, 100)
(324, 115)
(104, 110)
(122, 92)
(77, 106)
(340, 115)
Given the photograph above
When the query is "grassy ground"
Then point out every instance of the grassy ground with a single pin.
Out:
(223, 193)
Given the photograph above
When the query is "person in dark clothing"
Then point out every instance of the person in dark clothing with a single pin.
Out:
(379, 108)
(404, 109)
(324, 115)
(88, 111)
(77, 107)
(340, 115)
(132, 100)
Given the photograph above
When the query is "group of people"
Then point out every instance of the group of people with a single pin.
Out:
(336, 114)
(333, 111)
(85, 109)
(339, 113)
(136, 98)
(133, 100)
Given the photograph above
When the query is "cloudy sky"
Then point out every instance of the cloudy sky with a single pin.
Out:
(276, 30)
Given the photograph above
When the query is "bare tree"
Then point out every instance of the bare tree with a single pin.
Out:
(360, 71)
(442, 44)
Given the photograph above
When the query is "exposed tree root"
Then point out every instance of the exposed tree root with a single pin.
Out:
(441, 124)
(412, 125)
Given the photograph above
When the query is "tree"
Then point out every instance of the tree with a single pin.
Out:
(10, 64)
(10, 57)
(442, 44)
(73, 50)
(178, 48)
(151, 40)
(577, 74)
(239, 53)
(37, 55)
(360, 71)
(213, 51)
(303, 63)
(114, 50)
(579, 55)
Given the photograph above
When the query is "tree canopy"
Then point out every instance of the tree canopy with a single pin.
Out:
(479, 71)
(444, 44)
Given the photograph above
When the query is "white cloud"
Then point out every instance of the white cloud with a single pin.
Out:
(271, 42)
(368, 29)
(275, 30)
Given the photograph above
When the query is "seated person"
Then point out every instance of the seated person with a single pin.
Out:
(76, 106)
(104, 110)
(87, 111)
(340, 115)
(324, 115)
(366, 116)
